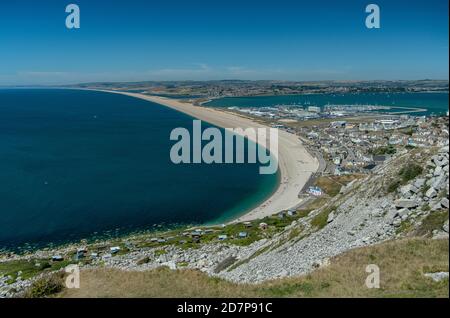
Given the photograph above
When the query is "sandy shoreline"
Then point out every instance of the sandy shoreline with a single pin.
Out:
(295, 163)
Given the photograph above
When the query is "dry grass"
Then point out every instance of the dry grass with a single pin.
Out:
(161, 282)
(332, 185)
(317, 203)
(401, 263)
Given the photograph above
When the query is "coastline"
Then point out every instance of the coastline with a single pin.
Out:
(295, 163)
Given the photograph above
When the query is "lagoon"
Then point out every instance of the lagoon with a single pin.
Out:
(435, 103)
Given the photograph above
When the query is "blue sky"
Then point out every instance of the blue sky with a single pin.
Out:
(203, 40)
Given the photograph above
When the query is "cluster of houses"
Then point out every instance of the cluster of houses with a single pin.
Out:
(105, 252)
(195, 236)
(393, 123)
(82, 253)
(351, 147)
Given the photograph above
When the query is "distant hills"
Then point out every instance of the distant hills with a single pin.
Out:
(224, 88)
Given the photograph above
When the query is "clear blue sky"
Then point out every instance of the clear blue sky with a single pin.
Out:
(217, 39)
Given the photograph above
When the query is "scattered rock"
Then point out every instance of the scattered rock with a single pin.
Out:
(442, 163)
(406, 203)
(431, 193)
(439, 181)
(377, 213)
(321, 263)
(445, 226)
(143, 260)
(419, 183)
(403, 212)
(171, 265)
(444, 203)
(345, 189)
(436, 207)
(437, 277)
(330, 217)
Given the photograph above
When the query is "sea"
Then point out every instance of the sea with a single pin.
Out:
(78, 164)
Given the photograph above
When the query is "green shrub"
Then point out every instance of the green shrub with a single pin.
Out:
(409, 132)
(433, 221)
(303, 213)
(143, 260)
(407, 172)
(320, 220)
(182, 264)
(227, 262)
(393, 186)
(45, 286)
(410, 171)
(389, 150)
(45, 265)
(160, 252)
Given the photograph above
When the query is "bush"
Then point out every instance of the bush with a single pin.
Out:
(227, 262)
(320, 220)
(143, 260)
(409, 132)
(393, 186)
(389, 150)
(45, 265)
(410, 171)
(160, 252)
(406, 173)
(433, 221)
(45, 286)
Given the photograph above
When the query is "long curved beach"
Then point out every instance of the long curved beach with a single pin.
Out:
(295, 163)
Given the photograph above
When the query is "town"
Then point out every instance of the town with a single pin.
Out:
(353, 141)
(349, 140)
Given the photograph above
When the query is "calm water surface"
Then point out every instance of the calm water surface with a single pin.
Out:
(75, 164)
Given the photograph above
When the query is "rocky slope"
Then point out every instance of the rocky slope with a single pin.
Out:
(364, 213)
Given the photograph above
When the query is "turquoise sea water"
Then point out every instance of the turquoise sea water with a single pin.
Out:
(75, 164)
(435, 103)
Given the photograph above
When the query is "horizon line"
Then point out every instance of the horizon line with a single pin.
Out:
(225, 80)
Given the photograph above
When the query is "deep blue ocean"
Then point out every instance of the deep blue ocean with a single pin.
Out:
(435, 103)
(80, 164)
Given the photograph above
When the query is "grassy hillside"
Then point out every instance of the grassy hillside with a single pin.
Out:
(402, 264)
